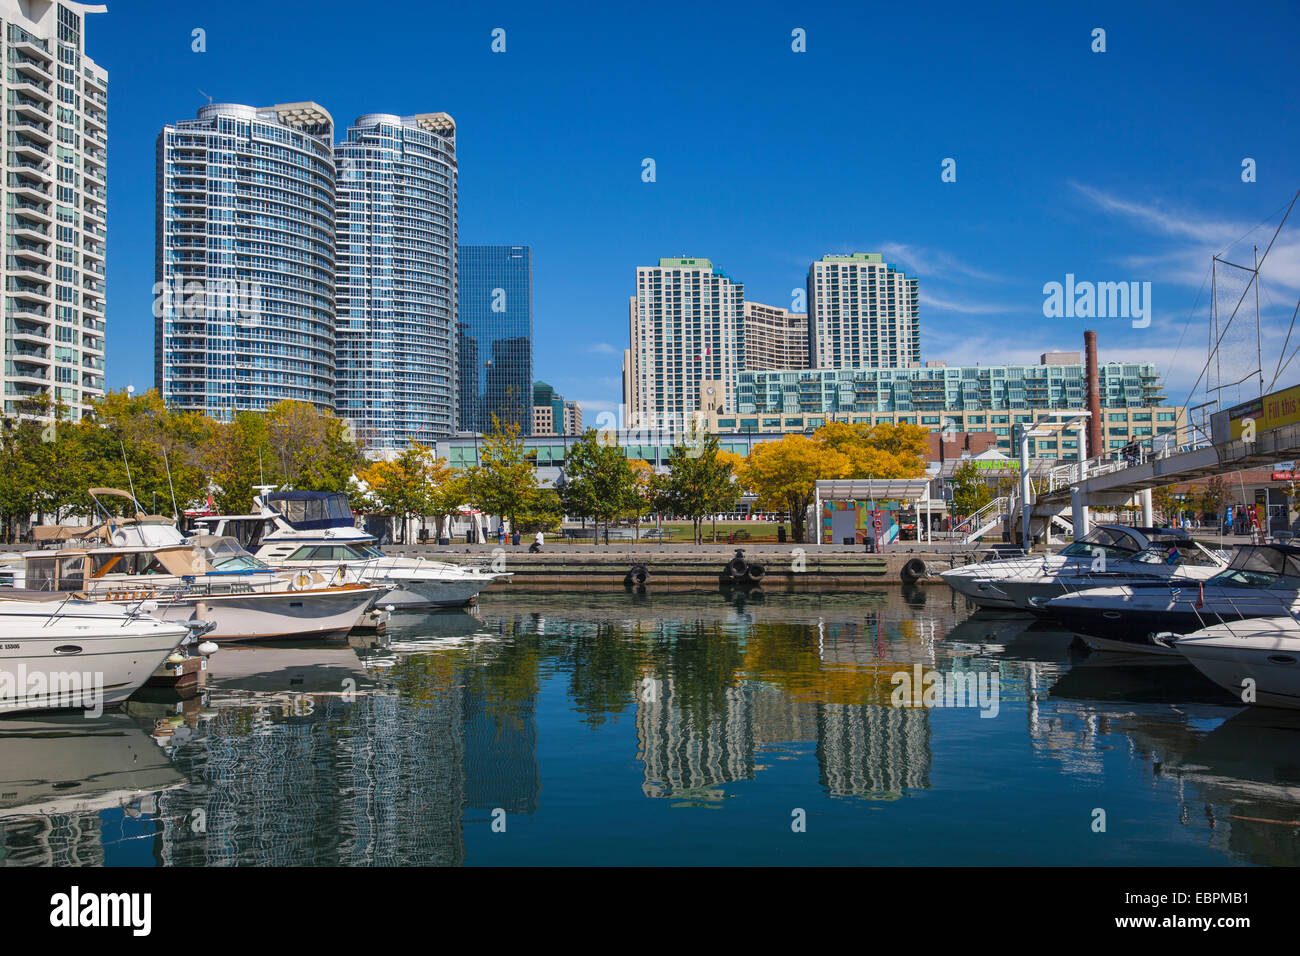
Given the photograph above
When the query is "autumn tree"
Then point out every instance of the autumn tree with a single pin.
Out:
(880, 451)
(643, 493)
(1166, 502)
(1213, 498)
(783, 474)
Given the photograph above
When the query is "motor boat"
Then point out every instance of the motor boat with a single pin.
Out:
(58, 652)
(1261, 581)
(1264, 651)
(208, 579)
(1109, 554)
(306, 532)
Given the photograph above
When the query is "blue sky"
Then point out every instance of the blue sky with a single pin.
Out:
(1117, 166)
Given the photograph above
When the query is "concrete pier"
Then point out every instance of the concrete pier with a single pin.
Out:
(814, 567)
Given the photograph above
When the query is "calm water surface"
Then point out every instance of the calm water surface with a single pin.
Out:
(663, 728)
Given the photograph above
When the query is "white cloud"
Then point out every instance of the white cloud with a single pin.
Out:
(933, 263)
(604, 348)
(930, 301)
(1189, 263)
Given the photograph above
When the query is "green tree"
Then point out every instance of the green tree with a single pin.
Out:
(402, 487)
(505, 479)
(970, 492)
(239, 457)
(598, 481)
(699, 481)
(315, 450)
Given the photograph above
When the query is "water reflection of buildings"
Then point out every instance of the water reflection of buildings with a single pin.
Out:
(868, 750)
(690, 746)
(862, 749)
(377, 781)
(384, 780)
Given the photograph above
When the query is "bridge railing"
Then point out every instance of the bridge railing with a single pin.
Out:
(1138, 452)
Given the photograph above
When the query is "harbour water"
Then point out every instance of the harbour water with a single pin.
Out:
(666, 728)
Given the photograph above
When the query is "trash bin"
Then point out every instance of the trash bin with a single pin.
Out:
(514, 539)
(444, 541)
(780, 534)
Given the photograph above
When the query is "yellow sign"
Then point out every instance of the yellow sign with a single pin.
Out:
(1272, 411)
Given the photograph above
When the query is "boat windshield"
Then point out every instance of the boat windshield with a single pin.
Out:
(227, 555)
(330, 552)
(1112, 542)
(1254, 566)
(1183, 553)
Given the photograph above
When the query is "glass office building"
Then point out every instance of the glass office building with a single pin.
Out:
(54, 162)
(396, 277)
(495, 337)
(244, 310)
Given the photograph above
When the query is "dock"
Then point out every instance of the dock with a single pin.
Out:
(785, 566)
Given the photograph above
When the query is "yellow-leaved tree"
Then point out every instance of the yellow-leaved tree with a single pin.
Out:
(783, 474)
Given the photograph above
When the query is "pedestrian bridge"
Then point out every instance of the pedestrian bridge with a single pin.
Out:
(1109, 482)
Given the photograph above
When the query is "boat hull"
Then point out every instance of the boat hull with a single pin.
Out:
(1263, 651)
(327, 614)
(410, 595)
(1138, 615)
(79, 661)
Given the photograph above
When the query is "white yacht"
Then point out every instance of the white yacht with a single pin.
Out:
(207, 579)
(309, 532)
(1264, 651)
(1261, 581)
(57, 652)
(1108, 555)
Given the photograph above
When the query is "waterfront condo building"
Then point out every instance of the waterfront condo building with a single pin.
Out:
(396, 278)
(862, 313)
(244, 306)
(495, 337)
(55, 159)
(774, 337)
(685, 341)
(974, 398)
